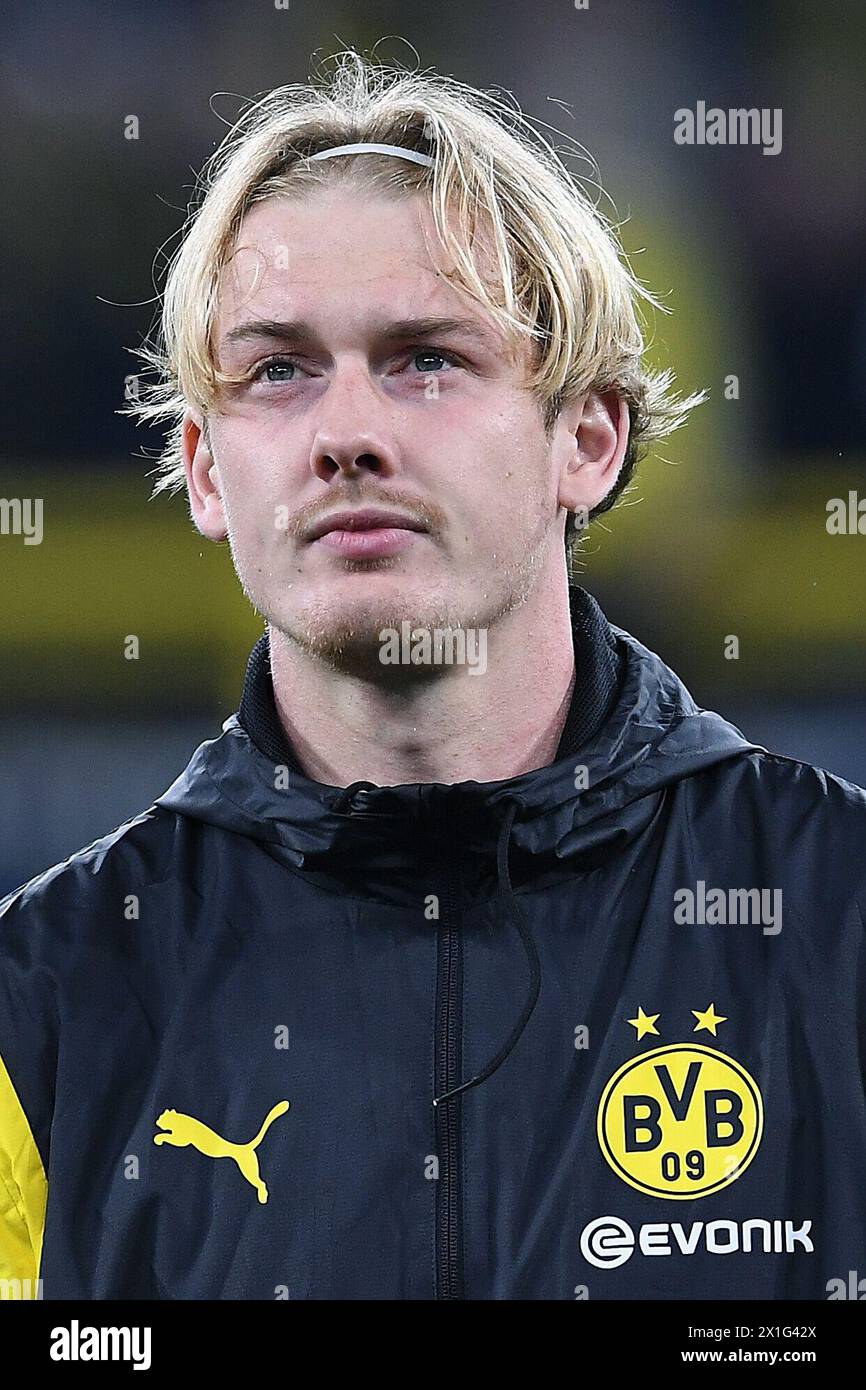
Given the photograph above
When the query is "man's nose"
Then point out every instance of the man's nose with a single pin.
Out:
(354, 431)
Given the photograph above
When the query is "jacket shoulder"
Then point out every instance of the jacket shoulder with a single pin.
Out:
(139, 849)
(784, 810)
(790, 784)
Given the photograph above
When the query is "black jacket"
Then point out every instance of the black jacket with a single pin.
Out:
(632, 981)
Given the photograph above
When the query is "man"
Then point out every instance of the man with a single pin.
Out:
(494, 966)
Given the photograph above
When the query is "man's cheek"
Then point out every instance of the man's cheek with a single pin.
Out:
(248, 503)
(253, 528)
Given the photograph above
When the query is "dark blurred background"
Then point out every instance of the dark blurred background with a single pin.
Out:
(762, 259)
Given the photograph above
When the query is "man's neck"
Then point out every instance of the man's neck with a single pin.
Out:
(455, 727)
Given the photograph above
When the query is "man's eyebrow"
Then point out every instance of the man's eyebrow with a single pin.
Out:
(434, 327)
(296, 330)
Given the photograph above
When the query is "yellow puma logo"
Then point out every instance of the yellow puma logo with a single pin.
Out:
(185, 1129)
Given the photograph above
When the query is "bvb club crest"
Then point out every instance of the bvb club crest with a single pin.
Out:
(683, 1120)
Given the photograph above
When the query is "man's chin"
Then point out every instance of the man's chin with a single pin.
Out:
(367, 636)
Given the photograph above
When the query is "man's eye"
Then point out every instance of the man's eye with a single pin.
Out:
(277, 365)
(432, 355)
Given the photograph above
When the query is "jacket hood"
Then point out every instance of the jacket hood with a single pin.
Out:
(632, 730)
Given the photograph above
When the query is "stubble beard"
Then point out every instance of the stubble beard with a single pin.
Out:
(348, 640)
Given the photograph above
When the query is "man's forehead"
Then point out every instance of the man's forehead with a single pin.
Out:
(310, 273)
(344, 218)
(292, 261)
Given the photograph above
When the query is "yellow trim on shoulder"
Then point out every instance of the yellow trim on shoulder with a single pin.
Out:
(23, 1195)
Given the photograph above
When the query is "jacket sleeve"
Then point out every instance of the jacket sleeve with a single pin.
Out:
(27, 1074)
(23, 1196)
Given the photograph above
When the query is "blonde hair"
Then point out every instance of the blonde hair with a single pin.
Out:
(562, 281)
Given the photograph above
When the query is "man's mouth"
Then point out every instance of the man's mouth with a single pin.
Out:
(367, 533)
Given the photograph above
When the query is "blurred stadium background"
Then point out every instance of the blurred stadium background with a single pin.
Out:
(760, 257)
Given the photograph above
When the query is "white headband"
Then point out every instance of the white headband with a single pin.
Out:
(377, 149)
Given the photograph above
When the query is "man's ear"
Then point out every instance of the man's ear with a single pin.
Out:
(202, 480)
(590, 439)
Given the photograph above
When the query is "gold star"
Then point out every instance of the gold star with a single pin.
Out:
(708, 1019)
(644, 1023)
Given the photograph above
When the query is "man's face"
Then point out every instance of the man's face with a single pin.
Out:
(355, 408)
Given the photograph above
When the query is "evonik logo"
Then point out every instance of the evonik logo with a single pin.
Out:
(608, 1241)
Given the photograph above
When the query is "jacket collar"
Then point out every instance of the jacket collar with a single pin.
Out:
(598, 660)
(629, 744)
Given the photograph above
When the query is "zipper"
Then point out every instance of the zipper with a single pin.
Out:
(449, 1008)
